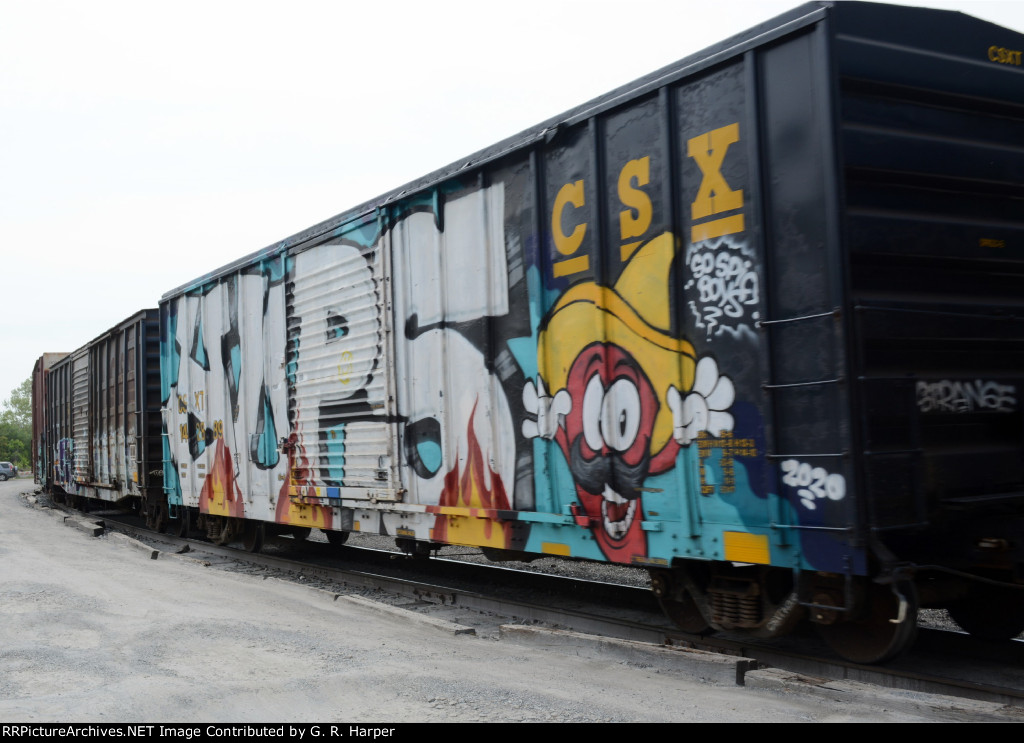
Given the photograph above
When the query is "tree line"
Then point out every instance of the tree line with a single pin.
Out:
(16, 426)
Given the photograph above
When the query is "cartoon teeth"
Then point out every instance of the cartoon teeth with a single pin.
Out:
(615, 522)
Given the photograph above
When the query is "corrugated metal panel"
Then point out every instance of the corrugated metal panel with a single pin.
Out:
(129, 446)
(60, 444)
(113, 408)
(338, 390)
(80, 415)
(148, 442)
(104, 385)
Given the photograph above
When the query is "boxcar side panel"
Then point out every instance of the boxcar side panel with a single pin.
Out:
(80, 400)
(804, 330)
(577, 348)
(337, 375)
(931, 123)
(225, 396)
(450, 278)
(564, 352)
(41, 449)
(59, 423)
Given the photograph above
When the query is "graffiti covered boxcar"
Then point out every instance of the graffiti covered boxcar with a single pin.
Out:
(752, 322)
(40, 457)
(99, 428)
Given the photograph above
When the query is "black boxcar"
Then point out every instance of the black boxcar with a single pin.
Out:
(752, 322)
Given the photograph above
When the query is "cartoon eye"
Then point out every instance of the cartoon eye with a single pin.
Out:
(423, 447)
(620, 415)
(592, 400)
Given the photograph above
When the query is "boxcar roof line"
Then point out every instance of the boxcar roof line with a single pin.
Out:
(763, 33)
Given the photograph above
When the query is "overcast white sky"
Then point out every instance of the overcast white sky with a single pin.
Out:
(143, 144)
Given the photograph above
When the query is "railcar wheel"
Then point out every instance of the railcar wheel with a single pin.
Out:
(990, 614)
(184, 523)
(685, 615)
(299, 533)
(224, 530)
(413, 547)
(887, 627)
(336, 538)
(160, 518)
(678, 604)
(255, 533)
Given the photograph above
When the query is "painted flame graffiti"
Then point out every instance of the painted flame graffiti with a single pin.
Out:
(469, 489)
(220, 495)
(297, 513)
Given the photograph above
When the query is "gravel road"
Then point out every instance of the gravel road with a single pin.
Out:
(92, 630)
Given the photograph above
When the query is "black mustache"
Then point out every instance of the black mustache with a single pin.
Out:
(593, 474)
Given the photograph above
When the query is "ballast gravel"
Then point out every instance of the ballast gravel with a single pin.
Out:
(92, 630)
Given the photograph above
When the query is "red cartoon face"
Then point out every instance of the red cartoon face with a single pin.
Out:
(607, 443)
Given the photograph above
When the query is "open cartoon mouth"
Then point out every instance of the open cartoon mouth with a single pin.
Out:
(617, 513)
(595, 477)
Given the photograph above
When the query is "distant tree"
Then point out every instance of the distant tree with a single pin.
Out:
(15, 445)
(17, 408)
(16, 425)
(14, 451)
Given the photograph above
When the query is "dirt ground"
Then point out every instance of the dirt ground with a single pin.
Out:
(92, 630)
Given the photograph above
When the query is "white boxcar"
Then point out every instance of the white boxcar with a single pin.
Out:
(286, 399)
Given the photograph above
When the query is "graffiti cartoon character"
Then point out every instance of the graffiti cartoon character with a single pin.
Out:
(620, 395)
(458, 435)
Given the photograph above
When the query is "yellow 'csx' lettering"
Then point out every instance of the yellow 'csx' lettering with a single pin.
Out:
(708, 211)
(714, 195)
(1004, 56)
(570, 193)
(634, 220)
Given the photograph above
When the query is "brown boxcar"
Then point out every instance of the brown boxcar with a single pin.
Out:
(100, 422)
(40, 372)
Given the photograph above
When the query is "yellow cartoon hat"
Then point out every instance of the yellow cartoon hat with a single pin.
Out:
(635, 315)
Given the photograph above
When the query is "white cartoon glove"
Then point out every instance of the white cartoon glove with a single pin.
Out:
(550, 411)
(705, 407)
